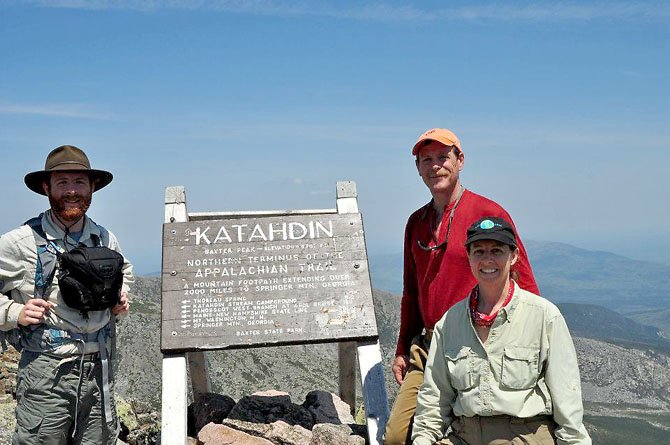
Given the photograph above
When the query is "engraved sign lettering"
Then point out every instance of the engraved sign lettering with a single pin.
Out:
(258, 281)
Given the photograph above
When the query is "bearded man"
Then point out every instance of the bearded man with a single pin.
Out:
(65, 381)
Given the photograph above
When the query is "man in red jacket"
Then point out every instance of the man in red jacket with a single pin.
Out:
(436, 269)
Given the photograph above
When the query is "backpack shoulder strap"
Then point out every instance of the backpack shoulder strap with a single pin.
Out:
(104, 236)
(38, 231)
(103, 239)
(46, 258)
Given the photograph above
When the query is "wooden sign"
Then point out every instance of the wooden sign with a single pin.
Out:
(276, 280)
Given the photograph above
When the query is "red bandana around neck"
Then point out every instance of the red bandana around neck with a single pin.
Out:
(481, 319)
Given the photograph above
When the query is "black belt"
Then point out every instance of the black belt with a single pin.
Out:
(92, 357)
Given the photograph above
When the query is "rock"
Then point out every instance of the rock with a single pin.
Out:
(208, 408)
(278, 432)
(327, 408)
(139, 424)
(8, 369)
(145, 435)
(13, 366)
(272, 416)
(213, 434)
(145, 418)
(359, 430)
(282, 432)
(126, 415)
(269, 407)
(7, 422)
(328, 434)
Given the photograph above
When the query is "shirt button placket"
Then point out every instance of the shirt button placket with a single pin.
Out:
(485, 387)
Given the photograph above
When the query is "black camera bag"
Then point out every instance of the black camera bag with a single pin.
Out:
(90, 278)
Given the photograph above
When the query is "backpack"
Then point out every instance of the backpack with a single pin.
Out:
(90, 278)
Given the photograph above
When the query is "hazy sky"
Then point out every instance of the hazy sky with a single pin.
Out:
(562, 109)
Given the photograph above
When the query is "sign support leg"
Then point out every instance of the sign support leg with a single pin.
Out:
(174, 403)
(347, 202)
(199, 372)
(347, 373)
(175, 377)
(374, 389)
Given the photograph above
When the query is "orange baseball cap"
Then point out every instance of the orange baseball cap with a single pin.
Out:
(441, 135)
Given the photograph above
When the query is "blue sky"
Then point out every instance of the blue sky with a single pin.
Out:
(562, 109)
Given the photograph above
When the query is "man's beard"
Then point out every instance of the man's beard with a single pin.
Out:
(70, 214)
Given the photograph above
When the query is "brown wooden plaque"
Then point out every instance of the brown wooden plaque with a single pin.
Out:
(276, 280)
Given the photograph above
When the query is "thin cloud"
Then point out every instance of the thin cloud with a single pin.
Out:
(54, 110)
(380, 11)
(631, 73)
(266, 7)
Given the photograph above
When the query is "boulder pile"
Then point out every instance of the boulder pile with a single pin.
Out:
(271, 418)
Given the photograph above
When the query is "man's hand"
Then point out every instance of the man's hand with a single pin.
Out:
(399, 368)
(122, 306)
(34, 311)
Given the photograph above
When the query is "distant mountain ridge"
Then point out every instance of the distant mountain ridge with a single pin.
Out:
(597, 322)
(568, 274)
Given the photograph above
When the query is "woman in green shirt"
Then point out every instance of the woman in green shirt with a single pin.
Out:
(502, 368)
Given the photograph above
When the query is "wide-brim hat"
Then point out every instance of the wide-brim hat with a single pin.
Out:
(66, 158)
